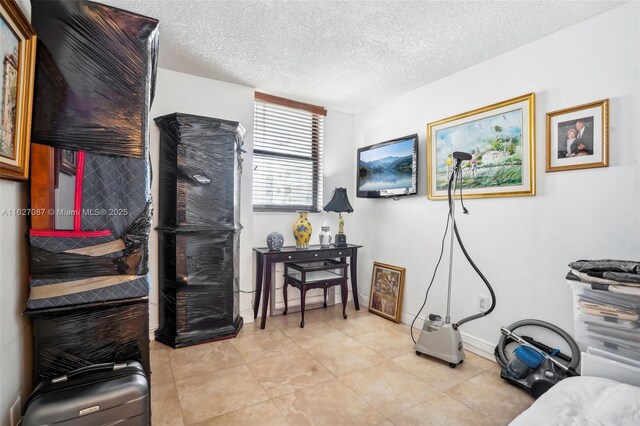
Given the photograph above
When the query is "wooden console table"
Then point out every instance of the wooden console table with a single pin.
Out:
(267, 258)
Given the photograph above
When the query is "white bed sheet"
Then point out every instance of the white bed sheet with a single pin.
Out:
(585, 401)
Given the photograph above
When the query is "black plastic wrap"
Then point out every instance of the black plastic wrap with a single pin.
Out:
(199, 286)
(200, 162)
(95, 77)
(73, 337)
(199, 232)
(46, 264)
(607, 265)
(199, 258)
(134, 259)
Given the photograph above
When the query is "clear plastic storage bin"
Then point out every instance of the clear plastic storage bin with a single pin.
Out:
(607, 321)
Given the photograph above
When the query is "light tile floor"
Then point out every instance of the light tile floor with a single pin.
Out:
(362, 370)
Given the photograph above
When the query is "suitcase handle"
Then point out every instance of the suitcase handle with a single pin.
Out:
(89, 369)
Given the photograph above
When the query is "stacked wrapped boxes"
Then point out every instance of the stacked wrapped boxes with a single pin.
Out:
(95, 80)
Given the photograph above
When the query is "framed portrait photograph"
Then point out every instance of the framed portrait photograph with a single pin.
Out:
(387, 283)
(18, 45)
(501, 141)
(67, 161)
(578, 137)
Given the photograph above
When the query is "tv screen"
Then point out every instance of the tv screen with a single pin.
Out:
(388, 169)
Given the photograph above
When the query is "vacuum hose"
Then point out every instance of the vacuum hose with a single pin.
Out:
(501, 357)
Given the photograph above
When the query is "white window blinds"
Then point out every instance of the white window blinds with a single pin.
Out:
(287, 155)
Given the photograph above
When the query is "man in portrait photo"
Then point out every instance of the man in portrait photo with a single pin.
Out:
(575, 138)
(583, 145)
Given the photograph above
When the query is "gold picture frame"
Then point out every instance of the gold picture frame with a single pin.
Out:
(16, 97)
(578, 137)
(387, 285)
(501, 139)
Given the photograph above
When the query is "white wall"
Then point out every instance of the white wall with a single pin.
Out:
(178, 92)
(522, 244)
(15, 331)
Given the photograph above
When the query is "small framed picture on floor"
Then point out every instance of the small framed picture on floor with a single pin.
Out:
(387, 283)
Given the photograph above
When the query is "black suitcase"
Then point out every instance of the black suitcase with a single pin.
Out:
(100, 394)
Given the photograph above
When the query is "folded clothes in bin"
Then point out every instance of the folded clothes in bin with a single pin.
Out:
(605, 318)
(603, 330)
(608, 285)
(608, 311)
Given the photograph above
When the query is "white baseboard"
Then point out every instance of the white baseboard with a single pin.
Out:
(247, 316)
(478, 346)
(152, 331)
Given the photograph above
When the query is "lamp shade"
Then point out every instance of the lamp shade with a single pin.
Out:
(339, 202)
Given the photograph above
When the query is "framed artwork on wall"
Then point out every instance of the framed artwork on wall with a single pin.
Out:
(501, 140)
(387, 283)
(578, 137)
(18, 45)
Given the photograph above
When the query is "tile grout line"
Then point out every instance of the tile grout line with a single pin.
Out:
(365, 401)
(175, 385)
(354, 391)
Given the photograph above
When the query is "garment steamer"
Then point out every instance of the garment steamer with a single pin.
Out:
(438, 338)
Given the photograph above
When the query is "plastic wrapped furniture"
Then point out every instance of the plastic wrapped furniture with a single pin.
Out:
(200, 166)
(71, 337)
(95, 77)
(111, 225)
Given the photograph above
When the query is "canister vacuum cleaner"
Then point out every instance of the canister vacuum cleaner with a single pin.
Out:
(441, 338)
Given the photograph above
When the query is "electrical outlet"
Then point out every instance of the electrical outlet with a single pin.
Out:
(15, 412)
(484, 303)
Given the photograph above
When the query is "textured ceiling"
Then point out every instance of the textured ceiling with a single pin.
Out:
(346, 55)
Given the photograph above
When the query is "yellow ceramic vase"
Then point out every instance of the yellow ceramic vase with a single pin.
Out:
(302, 231)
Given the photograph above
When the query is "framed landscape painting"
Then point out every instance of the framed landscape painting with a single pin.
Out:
(387, 283)
(501, 141)
(578, 137)
(18, 48)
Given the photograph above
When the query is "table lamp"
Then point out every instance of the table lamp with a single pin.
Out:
(339, 203)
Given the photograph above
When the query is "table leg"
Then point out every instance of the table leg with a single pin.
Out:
(258, 286)
(266, 290)
(354, 279)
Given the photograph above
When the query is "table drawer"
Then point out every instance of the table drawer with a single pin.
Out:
(345, 252)
(302, 255)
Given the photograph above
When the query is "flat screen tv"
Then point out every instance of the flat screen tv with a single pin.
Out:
(388, 169)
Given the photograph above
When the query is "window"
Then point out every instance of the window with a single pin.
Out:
(287, 155)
